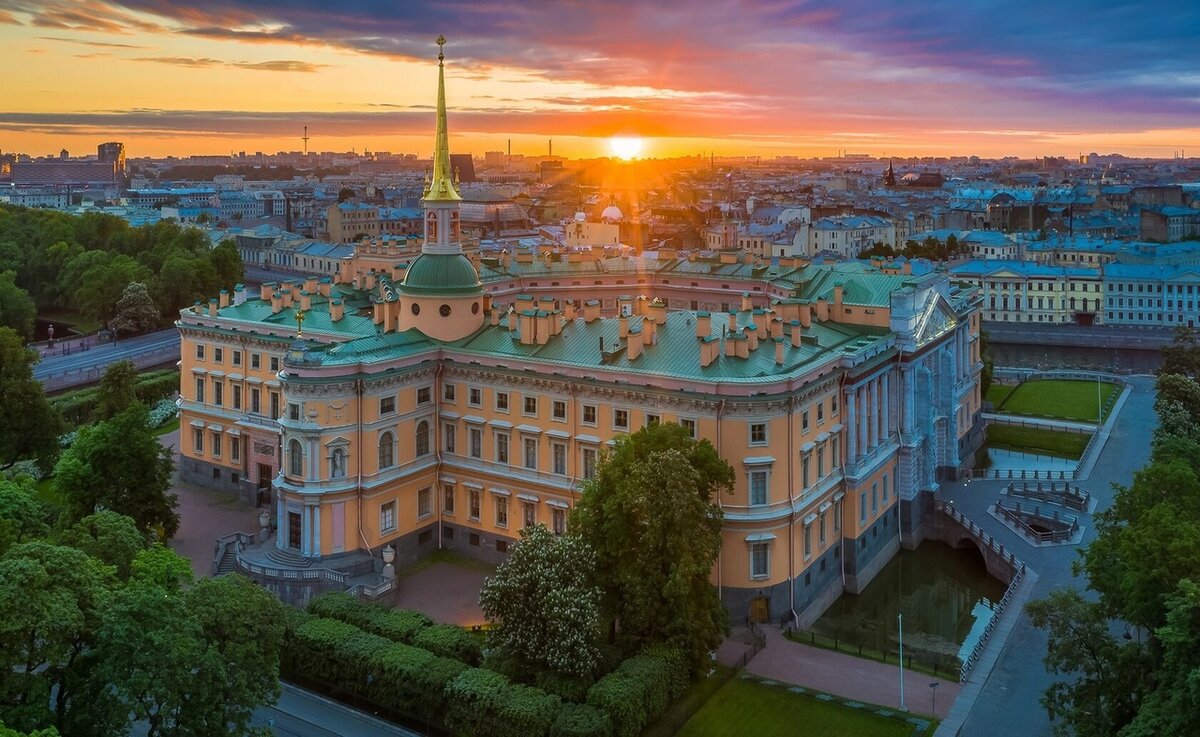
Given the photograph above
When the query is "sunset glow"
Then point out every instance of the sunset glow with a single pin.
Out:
(625, 147)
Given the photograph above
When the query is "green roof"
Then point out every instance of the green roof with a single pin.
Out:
(441, 273)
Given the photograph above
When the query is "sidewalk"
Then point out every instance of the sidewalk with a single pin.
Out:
(845, 675)
(1001, 418)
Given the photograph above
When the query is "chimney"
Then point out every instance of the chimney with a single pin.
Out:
(761, 321)
(276, 303)
(212, 307)
(730, 348)
(336, 310)
(325, 287)
(546, 303)
(822, 310)
(651, 329)
(742, 345)
(512, 319)
(494, 315)
(640, 305)
(732, 322)
(746, 303)
(569, 310)
(223, 297)
(623, 323)
(591, 310)
(779, 349)
(796, 333)
(369, 280)
(837, 295)
(239, 294)
(528, 326)
(806, 315)
(658, 311)
(703, 324)
(776, 327)
(487, 301)
(305, 301)
(633, 348)
(709, 350)
(294, 291)
(752, 336)
(377, 313)
(266, 290)
(310, 284)
(624, 305)
(344, 271)
(541, 327)
(556, 322)
(287, 297)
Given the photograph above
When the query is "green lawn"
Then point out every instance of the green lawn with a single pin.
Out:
(1037, 440)
(170, 426)
(997, 393)
(1062, 399)
(744, 707)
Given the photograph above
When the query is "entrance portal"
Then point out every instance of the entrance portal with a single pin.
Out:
(760, 610)
(294, 530)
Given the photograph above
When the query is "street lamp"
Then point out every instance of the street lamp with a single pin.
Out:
(933, 696)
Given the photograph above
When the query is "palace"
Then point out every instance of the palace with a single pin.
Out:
(446, 401)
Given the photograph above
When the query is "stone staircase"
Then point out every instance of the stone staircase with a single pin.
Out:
(289, 558)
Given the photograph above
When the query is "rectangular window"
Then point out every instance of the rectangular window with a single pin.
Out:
(837, 516)
(502, 511)
(885, 489)
(758, 487)
(689, 425)
(387, 405)
(558, 521)
(559, 453)
(530, 407)
(255, 400)
(821, 529)
(237, 396)
(255, 361)
(199, 351)
(820, 412)
(237, 357)
(218, 392)
(652, 420)
(501, 401)
(804, 421)
(424, 395)
(862, 507)
(198, 440)
(758, 433)
(293, 412)
(621, 419)
(835, 452)
(425, 502)
(473, 510)
(387, 517)
(200, 389)
(896, 485)
(589, 414)
(530, 448)
(804, 469)
(275, 406)
(808, 540)
(589, 463)
(529, 511)
(235, 448)
(501, 546)
(448, 392)
(218, 355)
(833, 405)
(449, 435)
(821, 461)
(448, 498)
(759, 560)
(874, 499)
(216, 444)
(502, 447)
(559, 411)
(475, 442)
(474, 396)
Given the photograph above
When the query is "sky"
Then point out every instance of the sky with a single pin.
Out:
(810, 78)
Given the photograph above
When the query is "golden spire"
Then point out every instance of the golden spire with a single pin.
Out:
(441, 189)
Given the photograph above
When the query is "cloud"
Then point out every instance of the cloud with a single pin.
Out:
(284, 65)
(97, 44)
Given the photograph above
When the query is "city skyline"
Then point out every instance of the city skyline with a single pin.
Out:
(732, 78)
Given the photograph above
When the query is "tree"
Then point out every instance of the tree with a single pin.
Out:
(117, 390)
(31, 427)
(109, 537)
(227, 263)
(16, 308)
(1182, 356)
(543, 605)
(649, 515)
(345, 193)
(136, 311)
(22, 515)
(120, 465)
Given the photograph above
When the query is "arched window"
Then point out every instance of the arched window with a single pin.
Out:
(387, 451)
(422, 438)
(295, 459)
(337, 463)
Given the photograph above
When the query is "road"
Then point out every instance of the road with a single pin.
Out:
(78, 362)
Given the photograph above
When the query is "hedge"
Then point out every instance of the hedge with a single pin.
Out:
(76, 407)
(581, 720)
(399, 625)
(638, 691)
(449, 641)
(482, 703)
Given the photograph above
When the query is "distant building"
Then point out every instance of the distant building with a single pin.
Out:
(61, 173)
(1023, 291)
(1152, 295)
(350, 220)
(845, 235)
(1167, 224)
(113, 151)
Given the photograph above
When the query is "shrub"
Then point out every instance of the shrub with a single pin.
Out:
(581, 720)
(525, 710)
(449, 641)
(399, 625)
(480, 703)
(633, 694)
(566, 687)
(429, 685)
(161, 413)
(156, 385)
(679, 674)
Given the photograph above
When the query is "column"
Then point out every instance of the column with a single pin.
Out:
(851, 426)
(281, 525)
(863, 438)
(305, 527)
(910, 398)
(316, 532)
(876, 412)
(884, 405)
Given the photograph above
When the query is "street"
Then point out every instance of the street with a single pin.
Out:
(62, 370)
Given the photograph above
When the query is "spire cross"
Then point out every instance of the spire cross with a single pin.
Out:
(300, 323)
(441, 41)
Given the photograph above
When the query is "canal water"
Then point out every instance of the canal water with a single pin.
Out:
(1119, 360)
(947, 598)
(1002, 460)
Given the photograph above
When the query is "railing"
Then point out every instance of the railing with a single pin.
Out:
(238, 541)
(1069, 496)
(1020, 473)
(758, 640)
(1066, 524)
(363, 590)
(92, 374)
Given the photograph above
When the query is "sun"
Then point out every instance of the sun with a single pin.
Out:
(625, 147)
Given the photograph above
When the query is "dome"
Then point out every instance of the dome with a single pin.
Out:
(580, 217)
(438, 273)
(612, 213)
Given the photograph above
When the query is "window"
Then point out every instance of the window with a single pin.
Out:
(218, 392)
(218, 355)
(235, 448)
(758, 433)
(559, 410)
(387, 405)
(652, 420)
(199, 351)
(236, 356)
(501, 447)
(837, 515)
(760, 561)
(387, 517)
(255, 401)
(387, 450)
(501, 546)
(808, 540)
(621, 419)
(758, 487)
(501, 401)
(275, 415)
(448, 392)
(475, 442)
(473, 505)
(875, 498)
(198, 440)
(589, 414)
(885, 489)
(530, 407)
(589, 463)
(804, 469)
(449, 435)
(821, 529)
(424, 395)
(835, 452)
(255, 361)
(531, 446)
(274, 364)
(502, 511)
(295, 459)
(690, 426)
(862, 507)
(820, 412)
(804, 421)
(558, 521)
(216, 444)
(424, 502)
(896, 485)
(821, 461)
(559, 453)
(833, 405)
(422, 441)
(237, 396)
(529, 511)
(448, 499)
(474, 396)
(200, 389)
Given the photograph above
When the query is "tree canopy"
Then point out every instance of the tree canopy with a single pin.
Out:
(30, 426)
(136, 311)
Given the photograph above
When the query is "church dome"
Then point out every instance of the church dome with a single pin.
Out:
(611, 213)
(441, 273)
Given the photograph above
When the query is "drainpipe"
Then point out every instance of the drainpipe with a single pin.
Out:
(437, 445)
(841, 523)
(720, 550)
(900, 407)
(791, 514)
(358, 389)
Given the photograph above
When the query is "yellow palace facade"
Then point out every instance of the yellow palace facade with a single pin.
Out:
(445, 402)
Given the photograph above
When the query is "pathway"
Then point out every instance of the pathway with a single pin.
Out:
(849, 676)
(1042, 422)
(446, 592)
(58, 370)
